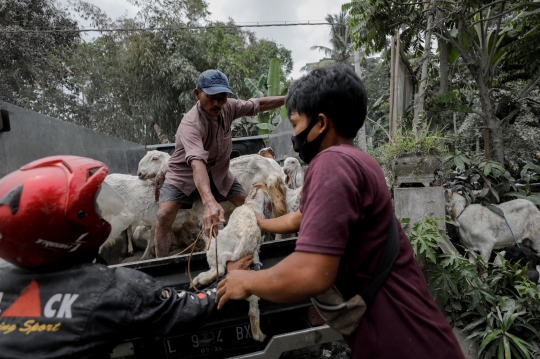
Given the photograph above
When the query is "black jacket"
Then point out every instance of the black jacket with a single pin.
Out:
(85, 310)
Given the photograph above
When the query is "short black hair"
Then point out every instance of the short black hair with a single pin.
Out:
(336, 91)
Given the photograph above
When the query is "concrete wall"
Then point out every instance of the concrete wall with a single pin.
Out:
(418, 203)
(35, 136)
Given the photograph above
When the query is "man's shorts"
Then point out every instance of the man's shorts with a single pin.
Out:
(170, 193)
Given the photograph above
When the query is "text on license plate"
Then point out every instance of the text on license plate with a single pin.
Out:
(208, 342)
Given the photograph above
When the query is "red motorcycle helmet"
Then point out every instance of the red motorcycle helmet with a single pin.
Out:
(54, 208)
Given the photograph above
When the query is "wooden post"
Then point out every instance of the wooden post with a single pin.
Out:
(396, 84)
(391, 101)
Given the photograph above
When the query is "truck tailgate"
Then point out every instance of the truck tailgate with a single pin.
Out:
(228, 333)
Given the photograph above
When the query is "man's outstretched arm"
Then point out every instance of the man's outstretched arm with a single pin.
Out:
(289, 223)
(271, 102)
(299, 276)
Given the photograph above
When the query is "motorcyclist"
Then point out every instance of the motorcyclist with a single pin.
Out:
(54, 302)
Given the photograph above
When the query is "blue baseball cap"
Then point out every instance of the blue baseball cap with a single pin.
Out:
(213, 82)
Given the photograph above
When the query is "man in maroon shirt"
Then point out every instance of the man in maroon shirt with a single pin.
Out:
(201, 157)
(344, 223)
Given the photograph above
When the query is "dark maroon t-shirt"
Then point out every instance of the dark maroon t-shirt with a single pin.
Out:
(346, 211)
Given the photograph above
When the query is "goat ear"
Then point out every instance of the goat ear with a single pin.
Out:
(160, 179)
(277, 191)
(448, 194)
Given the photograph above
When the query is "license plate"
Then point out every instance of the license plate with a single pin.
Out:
(209, 342)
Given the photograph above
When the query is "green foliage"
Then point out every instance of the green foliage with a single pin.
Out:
(32, 64)
(500, 310)
(448, 101)
(497, 183)
(425, 143)
(373, 21)
(274, 84)
(483, 47)
(269, 85)
(122, 83)
(424, 236)
(528, 186)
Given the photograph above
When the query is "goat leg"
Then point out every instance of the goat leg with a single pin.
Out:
(130, 240)
(254, 319)
(147, 252)
(254, 314)
(209, 276)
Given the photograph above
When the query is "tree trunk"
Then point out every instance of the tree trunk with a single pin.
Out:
(495, 145)
(496, 131)
(361, 135)
(421, 94)
(443, 67)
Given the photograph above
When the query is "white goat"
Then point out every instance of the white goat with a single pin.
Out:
(248, 169)
(251, 169)
(242, 237)
(140, 206)
(481, 230)
(154, 166)
(267, 152)
(294, 174)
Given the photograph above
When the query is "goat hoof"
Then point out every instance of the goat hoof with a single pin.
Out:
(260, 337)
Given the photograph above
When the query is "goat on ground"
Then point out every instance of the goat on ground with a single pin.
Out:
(242, 236)
(481, 230)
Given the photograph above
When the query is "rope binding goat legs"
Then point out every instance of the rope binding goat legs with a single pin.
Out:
(193, 249)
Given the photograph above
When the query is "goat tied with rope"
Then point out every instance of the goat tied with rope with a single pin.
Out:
(242, 236)
(483, 230)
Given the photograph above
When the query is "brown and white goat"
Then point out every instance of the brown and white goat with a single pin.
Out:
(242, 236)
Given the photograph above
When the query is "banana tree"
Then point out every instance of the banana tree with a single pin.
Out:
(269, 85)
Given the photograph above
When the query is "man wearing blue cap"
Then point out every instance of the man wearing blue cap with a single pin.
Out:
(201, 157)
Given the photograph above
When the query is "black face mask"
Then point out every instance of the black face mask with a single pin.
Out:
(307, 150)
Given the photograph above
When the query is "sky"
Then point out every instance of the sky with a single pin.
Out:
(298, 39)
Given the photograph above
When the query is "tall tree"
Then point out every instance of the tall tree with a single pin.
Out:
(27, 66)
(480, 35)
(123, 82)
(340, 50)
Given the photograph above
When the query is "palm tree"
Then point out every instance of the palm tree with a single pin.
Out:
(340, 42)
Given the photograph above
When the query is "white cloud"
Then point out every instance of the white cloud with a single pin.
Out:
(298, 39)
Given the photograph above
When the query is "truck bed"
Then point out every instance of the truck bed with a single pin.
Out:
(228, 334)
